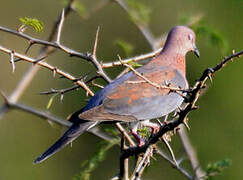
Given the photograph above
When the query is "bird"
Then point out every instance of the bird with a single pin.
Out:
(130, 99)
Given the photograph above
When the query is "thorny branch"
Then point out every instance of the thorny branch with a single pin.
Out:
(48, 66)
(193, 96)
(142, 164)
(72, 52)
(30, 73)
(49, 117)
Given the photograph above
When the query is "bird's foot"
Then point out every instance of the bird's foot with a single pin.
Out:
(155, 127)
(138, 138)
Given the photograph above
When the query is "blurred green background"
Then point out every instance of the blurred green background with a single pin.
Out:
(216, 128)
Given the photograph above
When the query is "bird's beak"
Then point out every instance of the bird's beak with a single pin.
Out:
(196, 51)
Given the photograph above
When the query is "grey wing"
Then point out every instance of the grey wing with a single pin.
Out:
(156, 105)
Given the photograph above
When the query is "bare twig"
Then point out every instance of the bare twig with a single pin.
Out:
(60, 26)
(50, 67)
(12, 60)
(180, 169)
(74, 87)
(124, 133)
(89, 57)
(170, 150)
(132, 59)
(124, 162)
(60, 91)
(191, 154)
(142, 164)
(49, 117)
(95, 61)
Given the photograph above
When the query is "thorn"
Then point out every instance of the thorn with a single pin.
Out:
(17, 60)
(62, 96)
(31, 42)
(180, 160)
(195, 107)
(171, 151)
(22, 28)
(97, 85)
(210, 78)
(179, 109)
(166, 118)
(176, 130)
(12, 61)
(59, 30)
(167, 83)
(186, 124)
(120, 59)
(203, 87)
(96, 41)
(83, 77)
(51, 123)
(38, 60)
(161, 124)
(54, 71)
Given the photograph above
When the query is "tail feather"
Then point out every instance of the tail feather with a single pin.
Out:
(71, 134)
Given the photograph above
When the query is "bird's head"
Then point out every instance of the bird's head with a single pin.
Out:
(182, 39)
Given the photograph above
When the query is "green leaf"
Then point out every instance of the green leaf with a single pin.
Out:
(139, 12)
(97, 157)
(134, 64)
(144, 132)
(216, 168)
(50, 102)
(32, 22)
(125, 46)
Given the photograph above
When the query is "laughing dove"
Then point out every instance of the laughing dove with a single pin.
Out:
(127, 100)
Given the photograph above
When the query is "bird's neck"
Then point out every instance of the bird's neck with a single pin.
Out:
(171, 58)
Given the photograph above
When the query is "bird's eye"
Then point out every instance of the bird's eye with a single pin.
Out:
(190, 37)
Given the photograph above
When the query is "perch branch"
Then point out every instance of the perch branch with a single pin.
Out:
(132, 59)
(193, 97)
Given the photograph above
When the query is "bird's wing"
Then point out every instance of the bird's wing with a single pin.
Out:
(135, 99)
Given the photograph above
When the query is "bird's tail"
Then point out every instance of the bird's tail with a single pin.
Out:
(71, 134)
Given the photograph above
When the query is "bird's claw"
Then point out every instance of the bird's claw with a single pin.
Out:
(138, 138)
